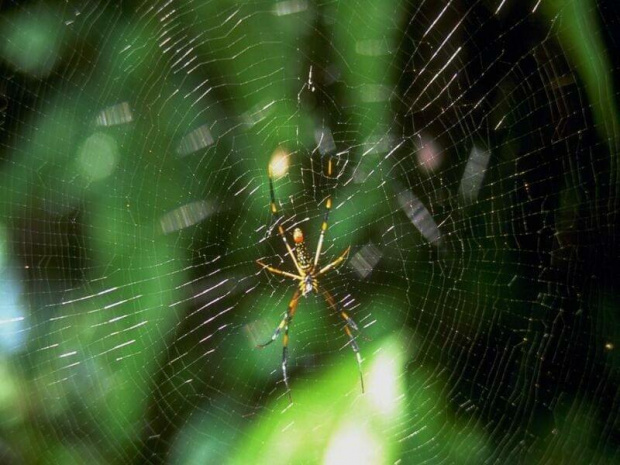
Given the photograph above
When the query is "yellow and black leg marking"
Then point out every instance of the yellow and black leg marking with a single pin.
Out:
(335, 263)
(349, 321)
(285, 361)
(328, 207)
(356, 351)
(277, 271)
(284, 324)
(274, 206)
(350, 324)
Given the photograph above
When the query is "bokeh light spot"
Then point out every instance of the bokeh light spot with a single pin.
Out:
(98, 156)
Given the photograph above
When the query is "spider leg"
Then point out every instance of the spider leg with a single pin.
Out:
(358, 357)
(274, 212)
(350, 324)
(328, 207)
(284, 324)
(335, 263)
(277, 271)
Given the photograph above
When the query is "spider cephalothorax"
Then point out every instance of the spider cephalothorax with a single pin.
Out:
(308, 273)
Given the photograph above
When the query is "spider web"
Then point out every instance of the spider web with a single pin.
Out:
(474, 146)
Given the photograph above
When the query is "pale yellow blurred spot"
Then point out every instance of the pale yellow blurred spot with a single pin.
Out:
(353, 444)
(98, 156)
(383, 388)
(609, 346)
(279, 163)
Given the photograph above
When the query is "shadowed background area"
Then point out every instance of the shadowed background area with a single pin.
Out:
(475, 177)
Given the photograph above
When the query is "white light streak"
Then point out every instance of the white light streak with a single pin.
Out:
(364, 261)
(423, 92)
(257, 114)
(195, 140)
(289, 7)
(119, 346)
(115, 115)
(419, 216)
(474, 174)
(500, 122)
(90, 296)
(68, 354)
(437, 18)
(120, 302)
(500, 6)
(186, 216)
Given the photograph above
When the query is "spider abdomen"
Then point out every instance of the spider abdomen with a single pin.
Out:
(303, 257)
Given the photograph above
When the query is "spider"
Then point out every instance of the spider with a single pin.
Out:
(308, 274)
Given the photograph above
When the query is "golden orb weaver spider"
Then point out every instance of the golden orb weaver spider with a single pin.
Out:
(308, 272)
